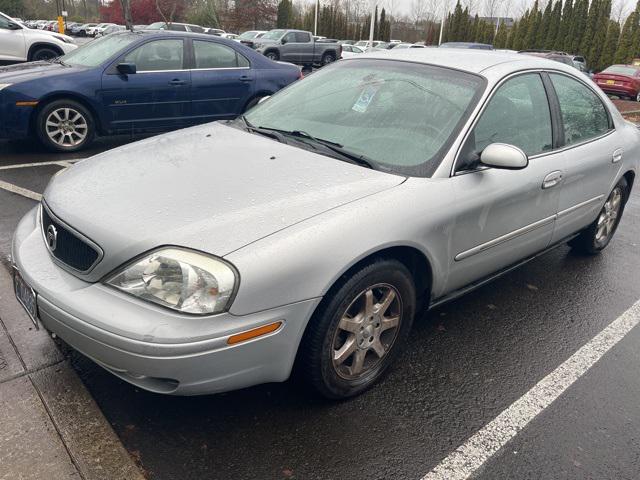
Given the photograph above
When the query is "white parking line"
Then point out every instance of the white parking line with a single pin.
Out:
(62, 163)
(10, 187)
(469, 457)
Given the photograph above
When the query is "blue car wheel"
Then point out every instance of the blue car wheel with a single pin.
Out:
(65, 126)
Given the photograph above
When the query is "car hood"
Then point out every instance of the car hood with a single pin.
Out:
(213, 188)
(34, 70)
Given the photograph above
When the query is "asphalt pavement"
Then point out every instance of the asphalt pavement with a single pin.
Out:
(465, 363)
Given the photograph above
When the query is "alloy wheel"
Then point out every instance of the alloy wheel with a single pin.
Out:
(366, 331)
(608, 216)
(66, 127)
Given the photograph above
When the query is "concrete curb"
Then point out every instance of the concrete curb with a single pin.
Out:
(51, 426)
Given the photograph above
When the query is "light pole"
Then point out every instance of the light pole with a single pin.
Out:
(315, 23)
(373, 24)
(444, 15)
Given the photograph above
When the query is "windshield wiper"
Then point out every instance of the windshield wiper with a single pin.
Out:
(60, 61)
(267, 132)
(334, 147)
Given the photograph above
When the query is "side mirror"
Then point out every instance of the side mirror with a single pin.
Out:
(283, 41)
(13, 26)
(127, 68)
(501, 155)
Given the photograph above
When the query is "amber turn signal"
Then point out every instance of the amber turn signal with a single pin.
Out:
(253, 333)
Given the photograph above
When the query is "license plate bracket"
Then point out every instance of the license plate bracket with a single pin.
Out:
(26, 296)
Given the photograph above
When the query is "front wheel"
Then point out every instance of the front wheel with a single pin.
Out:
(44, 53)
(358, 330)
(272, 56)
(598, 235)
(65, 126)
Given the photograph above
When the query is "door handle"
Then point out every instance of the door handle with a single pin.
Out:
(246, 78)
(552, 179)
(176, 82)
(617, 155)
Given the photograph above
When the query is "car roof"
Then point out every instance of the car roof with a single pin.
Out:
(470, 60)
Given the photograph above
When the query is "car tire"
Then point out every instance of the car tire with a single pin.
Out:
(638, 97)
(43, 53)
(352, 338)
(75, 126)
(597, 236)
(327, 58)
(272, 55)
(252, 103)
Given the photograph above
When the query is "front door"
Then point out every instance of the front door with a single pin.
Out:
(12, 44)
(222, 81)
(591, 158)
(505, 215)
(157, 97)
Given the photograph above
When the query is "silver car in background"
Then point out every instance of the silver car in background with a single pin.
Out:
(308, 233)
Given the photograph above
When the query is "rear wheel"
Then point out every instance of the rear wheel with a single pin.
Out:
(358, 330)
(598, 235)
(65, 126)
(328, 58)
(44, 53)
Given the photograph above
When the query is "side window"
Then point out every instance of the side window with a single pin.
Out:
(4, 22)
(303, 37)
(157, 55)
(290, 37)
(196, 29)
(517, 114)
(215, 55)
(176, 28)
(583, 114)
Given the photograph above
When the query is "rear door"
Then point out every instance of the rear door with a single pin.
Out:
(305, 44)
(157, 97)
(591, 156)
(222, 81)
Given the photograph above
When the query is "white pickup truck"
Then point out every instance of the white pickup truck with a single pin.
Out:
(18, 43)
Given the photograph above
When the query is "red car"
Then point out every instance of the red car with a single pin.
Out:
(620, 80)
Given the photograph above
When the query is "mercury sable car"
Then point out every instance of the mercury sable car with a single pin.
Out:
(308, 233)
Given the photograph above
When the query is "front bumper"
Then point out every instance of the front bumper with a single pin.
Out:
(151, 347)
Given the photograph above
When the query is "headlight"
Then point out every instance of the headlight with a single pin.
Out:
(184, 280)
(63, 39)
(5, 85)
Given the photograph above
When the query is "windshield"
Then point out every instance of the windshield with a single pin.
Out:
(400, 116)
(95, 53)
(157, 26)
(273, 34)
(620, 70)
(248, 35)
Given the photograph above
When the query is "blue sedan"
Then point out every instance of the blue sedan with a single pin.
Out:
(135, 82)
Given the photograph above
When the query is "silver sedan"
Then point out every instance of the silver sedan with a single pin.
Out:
(308, 233)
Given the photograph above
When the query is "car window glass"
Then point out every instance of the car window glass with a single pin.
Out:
(214, 55)
(583, 114)
(302, 37)
(4, 22)
(242, 61)
(157, 55)
(517, 114)
(196, 29)
(290, 37)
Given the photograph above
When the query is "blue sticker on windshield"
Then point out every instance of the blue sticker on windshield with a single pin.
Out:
(365, 98)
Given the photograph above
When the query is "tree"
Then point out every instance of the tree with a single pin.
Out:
(610, 43)
(126, 10)
(13, 8)
(285, 13)
(501, 36)
(552, 39)
(564, 41)
(623, 52)
(204, 12)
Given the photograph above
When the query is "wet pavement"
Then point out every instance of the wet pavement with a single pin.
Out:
(464, 364)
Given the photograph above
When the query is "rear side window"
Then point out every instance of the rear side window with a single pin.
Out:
(196, 29)
(583, 114)
(302, 37)
(517, 114)
(216, 55)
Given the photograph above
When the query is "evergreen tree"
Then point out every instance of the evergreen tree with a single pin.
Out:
(600, 35)
(590, 29)
(545, 25)
(552, 40)
(624, 50)
(610, 43)
(564, 39)
(285, 14)
(535, 19)
(501, 39)
(511, 36)
(578, 25)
